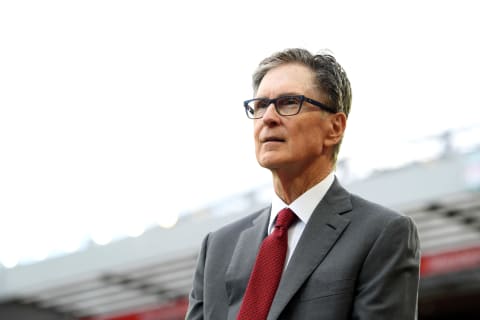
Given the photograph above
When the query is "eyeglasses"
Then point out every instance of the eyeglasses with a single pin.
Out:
(284, 105)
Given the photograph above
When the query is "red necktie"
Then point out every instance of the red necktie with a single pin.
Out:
(268, 268)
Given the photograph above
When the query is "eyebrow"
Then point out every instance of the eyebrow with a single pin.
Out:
(282, 95)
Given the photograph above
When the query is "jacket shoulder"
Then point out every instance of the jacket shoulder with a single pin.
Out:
(375, 216)
(240, 224)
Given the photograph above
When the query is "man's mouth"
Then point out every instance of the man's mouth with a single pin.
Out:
(273, 139)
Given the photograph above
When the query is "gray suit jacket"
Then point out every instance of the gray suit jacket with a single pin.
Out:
(354, 260)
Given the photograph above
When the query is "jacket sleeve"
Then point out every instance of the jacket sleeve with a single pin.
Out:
(195, 300)
(388, 281)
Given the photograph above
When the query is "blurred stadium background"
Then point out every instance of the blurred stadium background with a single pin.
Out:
(148, 277)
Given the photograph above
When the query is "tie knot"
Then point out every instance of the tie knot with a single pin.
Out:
(285, 218)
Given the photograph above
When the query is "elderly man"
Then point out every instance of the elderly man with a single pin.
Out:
(317, 252)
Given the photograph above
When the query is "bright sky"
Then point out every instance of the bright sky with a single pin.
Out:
(117, 114)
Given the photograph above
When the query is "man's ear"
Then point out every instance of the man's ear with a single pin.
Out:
(338, 123)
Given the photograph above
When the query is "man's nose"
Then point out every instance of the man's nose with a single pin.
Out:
(271, 113)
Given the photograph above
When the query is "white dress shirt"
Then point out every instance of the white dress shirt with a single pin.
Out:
(303, 207)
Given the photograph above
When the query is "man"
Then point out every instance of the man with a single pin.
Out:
(338, 256)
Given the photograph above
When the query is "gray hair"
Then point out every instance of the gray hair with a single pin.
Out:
(330, 77)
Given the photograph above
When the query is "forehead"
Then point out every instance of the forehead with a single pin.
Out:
(286, 79)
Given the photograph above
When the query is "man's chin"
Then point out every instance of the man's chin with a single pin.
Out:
(271, 163)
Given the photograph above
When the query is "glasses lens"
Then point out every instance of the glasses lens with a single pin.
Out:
(289, 105)
(256, 108)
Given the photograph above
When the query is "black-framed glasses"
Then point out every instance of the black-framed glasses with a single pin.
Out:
(284, 105)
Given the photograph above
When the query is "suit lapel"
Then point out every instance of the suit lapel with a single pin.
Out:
(243, 259)
(322, 231)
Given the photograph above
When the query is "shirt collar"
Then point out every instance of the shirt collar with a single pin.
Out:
(304, 205)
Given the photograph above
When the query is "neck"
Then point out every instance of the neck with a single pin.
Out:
(291, 184)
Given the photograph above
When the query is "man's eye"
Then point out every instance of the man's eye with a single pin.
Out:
(288, 101)
(261, 104)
